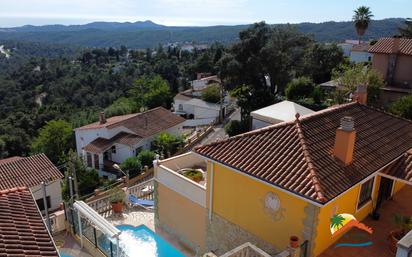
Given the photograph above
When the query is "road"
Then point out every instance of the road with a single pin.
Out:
(219, 131)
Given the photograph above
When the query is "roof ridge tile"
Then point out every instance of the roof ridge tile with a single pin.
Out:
(313, 174)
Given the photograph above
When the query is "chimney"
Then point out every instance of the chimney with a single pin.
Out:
(361, 94)
(396, 44)
(102, 118)
(345, 141)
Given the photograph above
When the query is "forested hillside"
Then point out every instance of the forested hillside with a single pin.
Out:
(40, 83)
(148, 34)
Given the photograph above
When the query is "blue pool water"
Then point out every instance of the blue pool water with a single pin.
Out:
(142, 242)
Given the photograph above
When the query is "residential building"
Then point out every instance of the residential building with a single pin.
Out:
(112, 140)
(203, 81)
(31, 172)
(360, 53)
(346, 48)
(197, 111)
(23, 231)
(290, 179)
(392, 57)
(276, 113)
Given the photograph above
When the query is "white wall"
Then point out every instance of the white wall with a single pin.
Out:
(199, 84)
(205, 113)
(257, 124)
(360, 56)
(122, 153)
(180, 184)
(53, 190)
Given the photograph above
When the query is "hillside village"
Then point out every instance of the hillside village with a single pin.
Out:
(208, 150)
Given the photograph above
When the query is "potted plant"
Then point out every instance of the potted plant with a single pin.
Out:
(294, 241)
(194, 175)
(117, 200)
(404, 224)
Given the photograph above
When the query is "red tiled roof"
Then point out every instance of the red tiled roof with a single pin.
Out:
(101, 144)
(143, 124)
(28, 172)
(297, 156)
(387, 46)
(10, 159)
(22, 230)
(402, 168)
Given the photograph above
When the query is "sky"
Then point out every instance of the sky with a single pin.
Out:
(192, 12)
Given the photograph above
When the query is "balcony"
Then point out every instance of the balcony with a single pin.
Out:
(184, 174)
(400, 204)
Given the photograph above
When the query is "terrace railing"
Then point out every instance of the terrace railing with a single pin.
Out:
(144, 190)
(102, 205)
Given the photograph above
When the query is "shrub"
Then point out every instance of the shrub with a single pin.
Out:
(298, 88)
(132, 165)
(211, 94)
(236, 127)
(167, 144)
(194, 175)
(146, 158)
(402, 107)
(117, 195)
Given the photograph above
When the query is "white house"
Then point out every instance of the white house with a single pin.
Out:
(360, 53)
(111, 141)
(202, 83)
(190, 105)
(276, 113)
(30, 172)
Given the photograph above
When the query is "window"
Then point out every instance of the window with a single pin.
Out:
(113, 149)
(180, 107)
(89, 160)
(40, 203)
(138, 150)
(366, 192)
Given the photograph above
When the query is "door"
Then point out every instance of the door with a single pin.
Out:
(385, 191)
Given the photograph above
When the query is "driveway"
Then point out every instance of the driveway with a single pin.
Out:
(219, 130)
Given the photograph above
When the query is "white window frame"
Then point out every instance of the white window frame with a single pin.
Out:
(359, 194)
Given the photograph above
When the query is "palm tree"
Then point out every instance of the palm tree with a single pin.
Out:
(336, 221)
(361, 20)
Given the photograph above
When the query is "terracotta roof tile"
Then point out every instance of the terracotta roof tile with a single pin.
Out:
(388, 46)
(402, 168)
(22, 230)
(101, 144)
(297, 156)
(143, 124)
(10, 159)
(27, 171)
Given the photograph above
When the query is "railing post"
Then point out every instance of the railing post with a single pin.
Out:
(111, 249)
(95, 237)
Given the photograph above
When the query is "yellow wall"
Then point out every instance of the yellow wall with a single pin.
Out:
(240, 200)
(398, 186)
(183, 216)
(345, 203)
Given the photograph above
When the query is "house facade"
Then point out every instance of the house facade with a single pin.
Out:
(392, 57)
(30, 172)
(111, 141)
(286, 180)
(190, 104)
(360, 53)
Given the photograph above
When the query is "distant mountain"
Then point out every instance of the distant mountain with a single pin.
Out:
(142, 34)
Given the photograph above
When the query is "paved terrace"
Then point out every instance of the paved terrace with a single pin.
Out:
(400, 204)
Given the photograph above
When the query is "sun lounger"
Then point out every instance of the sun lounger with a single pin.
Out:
(146, 204)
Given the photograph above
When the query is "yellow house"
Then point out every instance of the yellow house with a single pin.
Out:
(285, 180)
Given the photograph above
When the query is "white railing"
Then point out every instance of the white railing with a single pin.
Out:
(101, 205)
(143, 190)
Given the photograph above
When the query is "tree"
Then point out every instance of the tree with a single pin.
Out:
(212, 93)
(151, 92)
(361, 20)
(167, 144)
(299, 88)
(261, 64)
(349, 78)
(320, 60)
(146, 158)
(402, 107)
(55, 140)
(132, 165)
(236, 127)
(87, 178)
(406, 31)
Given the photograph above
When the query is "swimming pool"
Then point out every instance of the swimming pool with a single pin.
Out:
(143, 242)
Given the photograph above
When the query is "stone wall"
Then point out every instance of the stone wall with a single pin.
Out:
(310, 224)
(223, 236)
